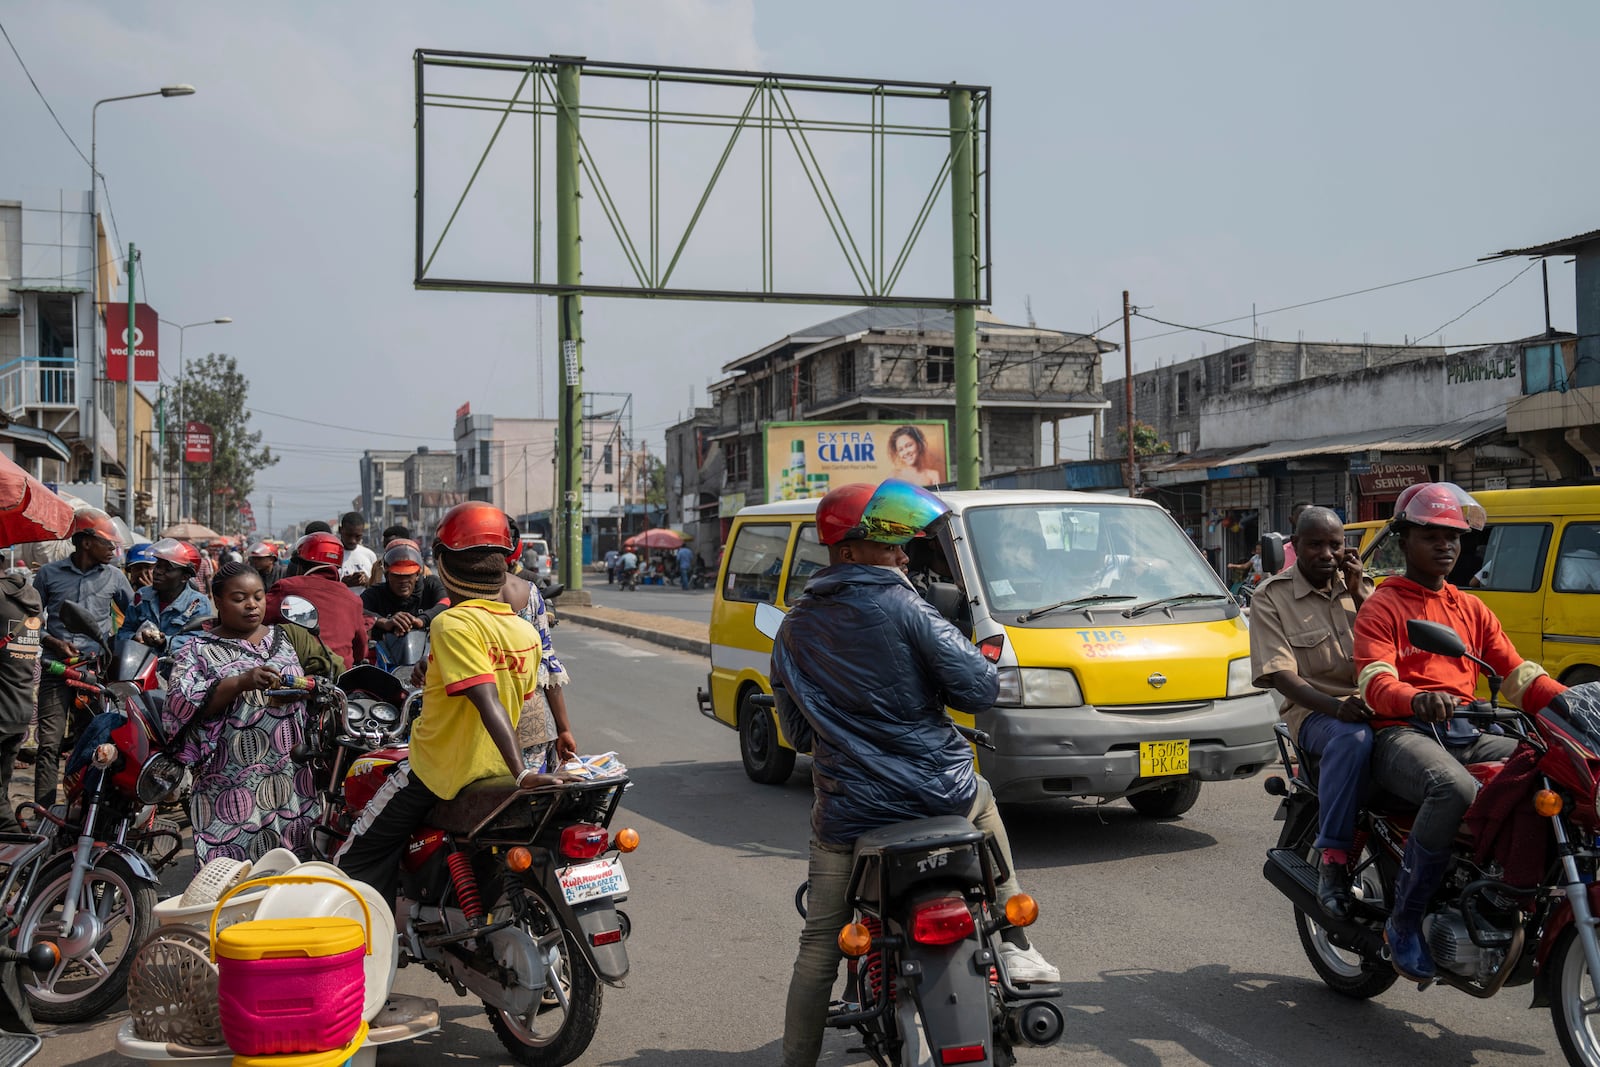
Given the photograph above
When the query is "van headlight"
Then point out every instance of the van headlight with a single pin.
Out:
(1241, 682)
(1038, 687)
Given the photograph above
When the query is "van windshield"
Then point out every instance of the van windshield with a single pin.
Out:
(1033, 555)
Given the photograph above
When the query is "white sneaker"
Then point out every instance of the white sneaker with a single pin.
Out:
(1026, 965)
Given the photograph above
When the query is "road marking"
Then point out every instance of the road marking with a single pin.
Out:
(616, 735)
(617, 648)
(1235, 1046)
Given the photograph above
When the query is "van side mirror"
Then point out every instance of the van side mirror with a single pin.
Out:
(1435, 637)
(1271, 553)
(946, 599)
(768, 619)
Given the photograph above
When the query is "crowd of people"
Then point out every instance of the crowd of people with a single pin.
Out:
(215, 614)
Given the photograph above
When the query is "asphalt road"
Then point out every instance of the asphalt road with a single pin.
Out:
(1173, 949)
(652, 599)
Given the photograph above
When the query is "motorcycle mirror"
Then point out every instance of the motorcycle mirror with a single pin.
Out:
(1271, 553)
(1435, 637)
(78, 621)
(768, 619)
(554, 590)
(300, 611)
(195, 625)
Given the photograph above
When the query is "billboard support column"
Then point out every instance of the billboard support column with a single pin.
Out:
(964, 223)
(569, 274)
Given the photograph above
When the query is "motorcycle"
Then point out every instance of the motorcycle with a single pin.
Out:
(927, 983)
(21, 856)
(508, 893)
(1518, 905)
(96, 892)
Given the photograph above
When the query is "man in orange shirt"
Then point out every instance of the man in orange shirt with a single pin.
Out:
(1422, 749)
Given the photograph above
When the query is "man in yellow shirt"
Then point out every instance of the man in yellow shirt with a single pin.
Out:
(483, 663)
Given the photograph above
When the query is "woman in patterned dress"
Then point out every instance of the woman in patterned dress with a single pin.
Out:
(249, 797)
(543, 730)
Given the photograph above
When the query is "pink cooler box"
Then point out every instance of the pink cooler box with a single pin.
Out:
(290, 985)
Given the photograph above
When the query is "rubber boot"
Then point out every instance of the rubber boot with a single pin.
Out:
(1333, 889)
(1421, 871)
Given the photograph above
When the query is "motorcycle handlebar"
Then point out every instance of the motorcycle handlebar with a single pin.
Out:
(763, 700)
(1483, 711)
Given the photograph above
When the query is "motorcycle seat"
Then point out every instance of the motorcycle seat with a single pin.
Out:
(944, 829)
(476, 802)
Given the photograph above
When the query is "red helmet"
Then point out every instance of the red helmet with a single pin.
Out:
(97, 522)
(262, 550)
(1439, 504)
(178, 553)
(402, 557)
(892, 512)
(474, 524)
(319, 550)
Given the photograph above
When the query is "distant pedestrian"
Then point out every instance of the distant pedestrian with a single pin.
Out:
(685, 565)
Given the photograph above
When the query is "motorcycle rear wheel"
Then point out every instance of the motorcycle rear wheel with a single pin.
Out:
(1571, 988)
(84, 985)
(1345, 972)
(553, 1034)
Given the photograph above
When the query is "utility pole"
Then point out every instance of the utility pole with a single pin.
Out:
(128, 514)
(964, 246)
(569, 274)
(1127, 383)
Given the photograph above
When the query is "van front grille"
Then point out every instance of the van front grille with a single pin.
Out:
(1176, 708)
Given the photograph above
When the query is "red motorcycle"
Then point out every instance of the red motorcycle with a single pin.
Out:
(1520, 902)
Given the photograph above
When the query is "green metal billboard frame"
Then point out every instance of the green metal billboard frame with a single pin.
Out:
(547, 90)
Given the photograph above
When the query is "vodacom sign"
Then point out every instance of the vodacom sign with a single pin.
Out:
(146, 326)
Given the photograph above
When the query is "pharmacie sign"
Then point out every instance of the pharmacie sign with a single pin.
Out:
(806, 459)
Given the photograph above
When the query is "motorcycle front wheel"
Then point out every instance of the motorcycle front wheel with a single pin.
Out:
(1342, 970)
(92, 975)
(1573, 1007)
(563, 1023)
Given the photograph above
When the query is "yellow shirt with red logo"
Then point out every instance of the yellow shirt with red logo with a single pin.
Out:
(473, 643)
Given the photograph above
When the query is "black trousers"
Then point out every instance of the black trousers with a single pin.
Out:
(372, 852)
(10, 741)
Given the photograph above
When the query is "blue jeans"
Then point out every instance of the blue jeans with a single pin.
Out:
(1346, 751)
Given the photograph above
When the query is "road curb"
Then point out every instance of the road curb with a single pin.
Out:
(692, 645)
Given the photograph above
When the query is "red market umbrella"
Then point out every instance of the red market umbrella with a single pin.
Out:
(28, 510)
(657, 538)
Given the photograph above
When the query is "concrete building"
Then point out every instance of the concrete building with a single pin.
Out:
(430, 490)
(47, 335)
(898, 364)
(509, 462)
(696, 475)
(383, 489)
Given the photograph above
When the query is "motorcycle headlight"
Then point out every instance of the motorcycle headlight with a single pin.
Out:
(1241, 681)
(1038, 687)
(159, 779)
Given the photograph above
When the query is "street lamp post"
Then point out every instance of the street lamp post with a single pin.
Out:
(183, 408)
(94, 278)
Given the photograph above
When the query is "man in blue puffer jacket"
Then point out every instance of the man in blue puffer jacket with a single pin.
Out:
(862, 670)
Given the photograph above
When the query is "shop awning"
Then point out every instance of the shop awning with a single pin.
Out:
(1429, 438)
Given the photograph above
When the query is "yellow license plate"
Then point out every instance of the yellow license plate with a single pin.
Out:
(1158, 759)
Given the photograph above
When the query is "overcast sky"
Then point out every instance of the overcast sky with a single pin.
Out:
(1205, 156)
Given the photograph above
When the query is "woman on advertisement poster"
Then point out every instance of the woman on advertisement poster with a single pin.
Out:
(912, 463)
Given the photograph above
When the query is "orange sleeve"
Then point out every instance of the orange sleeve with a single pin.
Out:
(1377, 648)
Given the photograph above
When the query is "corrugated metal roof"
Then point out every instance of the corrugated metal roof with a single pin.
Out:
(1395, 439)
(1566, 244)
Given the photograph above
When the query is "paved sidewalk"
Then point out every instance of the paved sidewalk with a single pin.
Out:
(685, 635)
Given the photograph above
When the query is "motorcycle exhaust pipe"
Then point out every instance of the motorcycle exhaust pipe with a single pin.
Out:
(1037, 1024)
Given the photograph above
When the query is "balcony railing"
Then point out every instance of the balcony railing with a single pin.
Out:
(38, 383)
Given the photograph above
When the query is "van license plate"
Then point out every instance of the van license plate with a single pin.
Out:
(585, 881)
(1158, 759)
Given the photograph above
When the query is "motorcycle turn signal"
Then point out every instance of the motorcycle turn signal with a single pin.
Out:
(1022, 910)
(627, 840)
(1547, 802)
(855, 940)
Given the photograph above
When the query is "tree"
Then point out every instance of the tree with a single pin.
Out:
(215, 393)
(655, 493)
(1145, 440)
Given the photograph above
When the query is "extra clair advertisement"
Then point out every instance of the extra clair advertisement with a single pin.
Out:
(806, 459)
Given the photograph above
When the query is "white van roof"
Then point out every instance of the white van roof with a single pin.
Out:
(960, 500)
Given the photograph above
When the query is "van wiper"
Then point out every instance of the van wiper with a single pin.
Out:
(1076, 602)
(1139, 609)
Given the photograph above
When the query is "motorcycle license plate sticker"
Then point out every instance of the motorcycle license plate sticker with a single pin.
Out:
(586, 881)
(1158, 759)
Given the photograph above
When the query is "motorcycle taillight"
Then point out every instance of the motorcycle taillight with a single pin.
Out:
(583, 841)
(941, 922)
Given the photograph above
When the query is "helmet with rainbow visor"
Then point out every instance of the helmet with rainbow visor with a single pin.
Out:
(891, 513)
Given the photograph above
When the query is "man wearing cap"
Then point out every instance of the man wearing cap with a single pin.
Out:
(862, 670)
(406, 600)
(87, 578)
(264, 558)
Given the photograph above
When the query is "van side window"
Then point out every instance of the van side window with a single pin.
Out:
(1513, 558)
(810, 556)
(1385, 557)
(755, 563)
(1578, 561)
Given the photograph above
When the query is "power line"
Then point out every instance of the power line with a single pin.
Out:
(349, 429)
(1531, 264)
(42, 99)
